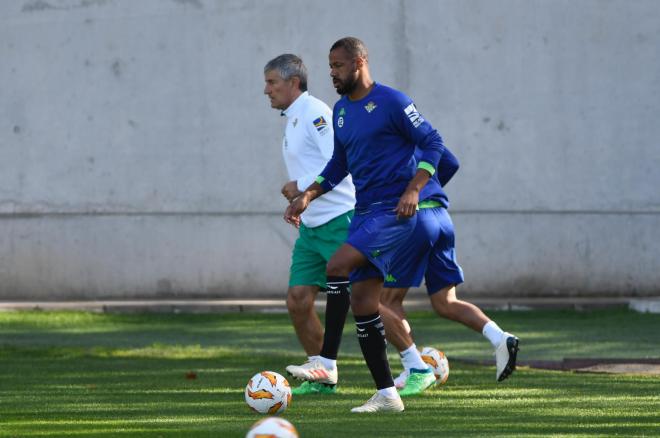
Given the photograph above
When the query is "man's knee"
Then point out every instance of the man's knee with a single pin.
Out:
(359, 301)
(442, 307)
(365, 296)
(300, 299)
(337, 268)
(443, 301)
(344, 261)
(393, 300)
(390, 298)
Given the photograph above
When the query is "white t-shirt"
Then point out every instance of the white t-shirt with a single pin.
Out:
(307, 147)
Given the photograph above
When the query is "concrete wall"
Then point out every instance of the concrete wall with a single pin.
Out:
(139, 158)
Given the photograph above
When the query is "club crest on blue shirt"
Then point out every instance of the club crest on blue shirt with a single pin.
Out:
(370, 107)
(321, 125)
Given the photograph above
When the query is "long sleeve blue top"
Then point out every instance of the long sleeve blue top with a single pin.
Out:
(375, 140)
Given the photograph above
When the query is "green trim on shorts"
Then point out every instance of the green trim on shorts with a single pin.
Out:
(319, 179)
(313, 250)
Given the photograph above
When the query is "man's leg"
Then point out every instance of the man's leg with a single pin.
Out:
(365, 298)
(370, 330)
(311, 253)
(323, 368)
(416, 375)
(406, 270)
(392, 300)
(371, 336)
(300, 303)
(321, 345)
(447, 305)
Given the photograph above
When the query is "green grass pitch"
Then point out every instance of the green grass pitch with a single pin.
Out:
(84, 374)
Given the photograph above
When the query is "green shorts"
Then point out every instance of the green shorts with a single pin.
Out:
(314, 248)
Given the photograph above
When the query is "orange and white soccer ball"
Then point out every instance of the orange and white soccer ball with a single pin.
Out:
(272, 427)
(268, 392)
(437, 360)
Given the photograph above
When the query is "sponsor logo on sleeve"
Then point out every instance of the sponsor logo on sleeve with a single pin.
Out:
(413, 115)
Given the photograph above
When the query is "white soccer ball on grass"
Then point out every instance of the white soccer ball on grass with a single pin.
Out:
(437, 360)
(272, 427)
(268, 392)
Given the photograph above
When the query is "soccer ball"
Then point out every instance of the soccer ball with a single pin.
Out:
(272, 427)
(268, 393)
(438, 361)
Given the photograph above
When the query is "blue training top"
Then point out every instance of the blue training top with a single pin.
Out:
(375, 139)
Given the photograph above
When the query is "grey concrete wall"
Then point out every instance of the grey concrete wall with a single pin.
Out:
(139, 158)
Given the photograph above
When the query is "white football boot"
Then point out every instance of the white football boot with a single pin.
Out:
(314, 371)
(381, 403)
(505, 356)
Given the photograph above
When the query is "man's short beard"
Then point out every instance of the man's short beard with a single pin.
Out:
(347, 87)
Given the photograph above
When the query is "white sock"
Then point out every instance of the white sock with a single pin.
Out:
(389, 392)
(402, 364)
(410, 358)
(330, 364)
(493, 332)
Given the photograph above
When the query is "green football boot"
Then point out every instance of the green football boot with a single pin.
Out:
(417, 382)
(314, 388)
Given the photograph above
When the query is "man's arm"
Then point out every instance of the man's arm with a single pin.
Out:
(290, 190)
(447, 167)
(418, 131)
(319, 129)
(407, 206)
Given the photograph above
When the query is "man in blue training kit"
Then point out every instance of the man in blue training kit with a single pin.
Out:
(430, 254)
(376, 131)
(321, 370)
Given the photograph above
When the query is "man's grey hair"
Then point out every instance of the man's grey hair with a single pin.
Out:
(288, 66)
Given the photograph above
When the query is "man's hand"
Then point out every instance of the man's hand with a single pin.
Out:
(407, 206)
(297, 206)
(290, 190)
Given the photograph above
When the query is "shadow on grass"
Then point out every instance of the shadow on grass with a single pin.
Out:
(545, 335)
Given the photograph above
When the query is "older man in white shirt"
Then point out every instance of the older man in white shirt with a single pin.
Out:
(307, 146)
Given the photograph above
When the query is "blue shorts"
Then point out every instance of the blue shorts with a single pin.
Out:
(430, 250)
(378, 235)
